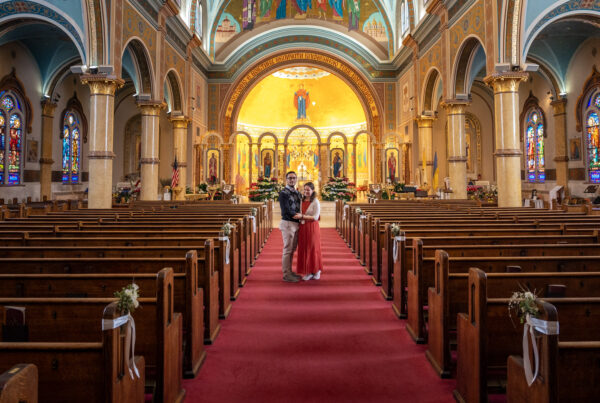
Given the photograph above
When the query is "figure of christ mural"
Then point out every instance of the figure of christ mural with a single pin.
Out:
(301, 101)
(353, 14)
(249, 14)
(337, 165)
(265, 9)
(322, 8)
(281, 11)
(301, 7)
(392, 167)
(212, 169)
(267, 165)
(338, 9)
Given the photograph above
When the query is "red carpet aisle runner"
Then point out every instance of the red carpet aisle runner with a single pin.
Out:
(331, 340)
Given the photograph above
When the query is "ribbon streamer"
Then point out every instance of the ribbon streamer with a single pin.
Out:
(253, 223)
(346, 207)
(541, 326)
(108, 324)
(360, 222)
(227, 248)
(397, 239)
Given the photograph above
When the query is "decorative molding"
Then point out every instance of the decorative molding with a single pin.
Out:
(506, 82)
(101, 155)
(508, 152)
(149, 161)
(101, 84)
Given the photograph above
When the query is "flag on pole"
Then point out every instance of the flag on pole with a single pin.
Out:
(175, 177)
(424, 162)
(434, 185)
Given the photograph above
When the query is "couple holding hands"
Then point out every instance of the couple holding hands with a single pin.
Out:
(300, 230)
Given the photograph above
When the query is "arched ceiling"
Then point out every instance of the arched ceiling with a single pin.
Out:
(370, 26)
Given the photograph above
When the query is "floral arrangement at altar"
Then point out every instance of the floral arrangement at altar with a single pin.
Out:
(475, 192)
(123, 195)
(264, 189)
(339, 189)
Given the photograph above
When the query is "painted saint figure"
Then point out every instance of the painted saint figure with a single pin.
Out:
(212, 168)
(322, 8)
(281, 9)
(267, 164)
(265, 8)
(301, 7)
(338, 9)
(301, 101)
(353, 14)
(249, 14)
(337, 165)
(392, 167)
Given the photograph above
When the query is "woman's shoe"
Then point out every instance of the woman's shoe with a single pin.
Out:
(317, 275)
(307, 277)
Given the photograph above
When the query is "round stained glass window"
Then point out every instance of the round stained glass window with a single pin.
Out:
(8, 103)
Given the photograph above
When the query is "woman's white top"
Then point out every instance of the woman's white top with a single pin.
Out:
(314, 209)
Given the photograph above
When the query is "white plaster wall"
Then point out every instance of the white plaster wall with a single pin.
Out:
(124, 111)
(482, 106)
(166, 149)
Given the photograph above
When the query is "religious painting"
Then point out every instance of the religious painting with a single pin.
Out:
(301, 103)
(213, 159)
(575, 149)
(365, 17)
(227, 28)
(268, 162)
(32, 151)
(242, 152)
(392, 159)
(337, 163)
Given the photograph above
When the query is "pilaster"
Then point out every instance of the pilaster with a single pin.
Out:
(560, 142)
(48, 109)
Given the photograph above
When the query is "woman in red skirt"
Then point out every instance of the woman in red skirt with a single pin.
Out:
(310, 262)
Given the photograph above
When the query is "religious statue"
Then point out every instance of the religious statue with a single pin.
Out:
(249, 14)
(212, 168)
(322, 8)
(267, 164)
(392, 167)
(281, 9)
(353, 14)
(301, 7)
(337, 165)
(338, 9)
(301, 101)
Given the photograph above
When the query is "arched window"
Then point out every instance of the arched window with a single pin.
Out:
(592, 135)
(404, 18)
(11, 138)
(534, 146)
(198, 22)
(71, 151)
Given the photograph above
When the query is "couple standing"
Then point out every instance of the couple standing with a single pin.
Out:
(300, 229)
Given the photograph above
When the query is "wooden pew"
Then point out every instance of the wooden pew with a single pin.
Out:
(77, 371)
(566, 372)
(20, 384)
(449, 295)
(487, 337)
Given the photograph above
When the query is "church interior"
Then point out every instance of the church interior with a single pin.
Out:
(450, 142)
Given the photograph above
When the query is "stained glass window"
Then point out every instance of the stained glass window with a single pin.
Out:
(71, 142)
(11, 139)
(534, 146)
(592, 137)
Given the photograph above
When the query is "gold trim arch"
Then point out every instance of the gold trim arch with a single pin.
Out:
(355, 80)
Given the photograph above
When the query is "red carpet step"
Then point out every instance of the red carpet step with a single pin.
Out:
(328, 340)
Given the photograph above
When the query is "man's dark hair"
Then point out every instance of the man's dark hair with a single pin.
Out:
(312, 186)
(290, 172)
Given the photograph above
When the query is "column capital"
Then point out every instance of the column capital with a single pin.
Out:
(506, 82)
(151, 108)
(455, 106)
(101, 84)
(559, 106)
(179, 122)
(424, 121)
(48, 108)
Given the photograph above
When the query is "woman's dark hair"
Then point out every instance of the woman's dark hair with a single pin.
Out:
(312, 186)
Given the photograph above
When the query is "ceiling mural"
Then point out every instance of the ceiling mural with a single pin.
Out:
(363, 17)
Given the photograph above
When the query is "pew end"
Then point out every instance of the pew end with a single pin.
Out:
(19, 384)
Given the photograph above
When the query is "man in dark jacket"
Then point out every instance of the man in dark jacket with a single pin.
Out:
(290, 203)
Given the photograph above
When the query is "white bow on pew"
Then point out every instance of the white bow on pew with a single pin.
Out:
(397, 239)
(108, 324)
(531, 326)
(227, 248)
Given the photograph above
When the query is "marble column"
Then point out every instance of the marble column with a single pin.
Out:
(180, 129)
(457, 158)
(46, 161)
(425, 132)
(150, 111)
(508, 150)
(560, 142)
(101, 128)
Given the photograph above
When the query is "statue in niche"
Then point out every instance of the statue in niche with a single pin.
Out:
(267, 165)
(301, 101)
(337, 165)
(212, 168)
(392, 167)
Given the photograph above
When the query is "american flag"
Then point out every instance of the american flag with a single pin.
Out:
(175, 177)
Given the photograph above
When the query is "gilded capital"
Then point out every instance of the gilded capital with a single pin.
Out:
(102, 85)
(506, 82)
(559, 106)
(179, 122)
(425, 121)
(48, 108)
(151, 108)
(455, 107)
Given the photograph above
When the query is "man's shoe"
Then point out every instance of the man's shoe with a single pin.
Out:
(296, 275)
(290, 279)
